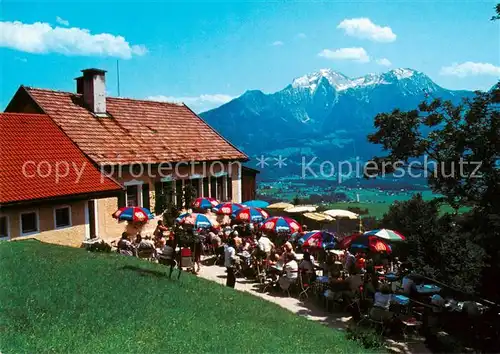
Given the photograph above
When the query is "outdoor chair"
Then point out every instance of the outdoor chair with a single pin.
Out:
(304, 284)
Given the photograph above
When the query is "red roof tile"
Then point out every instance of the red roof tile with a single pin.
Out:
(32, 140)
(137, 131)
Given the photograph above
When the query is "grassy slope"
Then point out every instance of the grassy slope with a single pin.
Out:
(58, 299)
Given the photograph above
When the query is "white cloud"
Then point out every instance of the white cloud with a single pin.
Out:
(277, 43)
(22, 60)
(198, 104)
(470, 68)
(365, 28)
(384, 62)
(301, 35)
(62, 21)
(356, 54)
(41, 37)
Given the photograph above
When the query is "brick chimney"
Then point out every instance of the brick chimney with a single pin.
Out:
(92, 85)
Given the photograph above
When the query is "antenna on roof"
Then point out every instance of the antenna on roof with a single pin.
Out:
(118, 76)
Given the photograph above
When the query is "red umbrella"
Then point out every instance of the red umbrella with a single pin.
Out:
(280, 224)
(377, 245)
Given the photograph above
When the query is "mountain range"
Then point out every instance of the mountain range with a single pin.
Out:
(324, 114)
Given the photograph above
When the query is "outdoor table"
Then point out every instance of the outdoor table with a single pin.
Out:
(401, 300)
(391, 277)
(428, 289)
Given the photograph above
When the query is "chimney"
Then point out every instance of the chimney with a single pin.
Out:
(92, 85)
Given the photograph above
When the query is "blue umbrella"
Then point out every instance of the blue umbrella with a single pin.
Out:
(256, 204)
(194, 219)
(318, 239)
(133, 214)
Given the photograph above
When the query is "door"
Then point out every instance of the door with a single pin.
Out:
(92, 219)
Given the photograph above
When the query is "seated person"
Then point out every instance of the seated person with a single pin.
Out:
(264, 246)
(349, 261)
(215, 240)
(146, 244)
(370, 286)
(381, 303)
(291, 269)
(237, 240)
(124, 246)
(307, 266)
(167, 255)
(138, 239)
(409, 286)
(331, 267)
(361, 261)
(159, 230)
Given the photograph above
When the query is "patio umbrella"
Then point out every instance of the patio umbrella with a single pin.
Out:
(196, 220)
(135, 214)
(372, 243)
(301, 209)
(280, 205)
(256, 204)
(386, 234)
(342, 214)
(205, 203)
(317, 239)
(279, 224)
(319, 217)
(250, 215)
(227, 208)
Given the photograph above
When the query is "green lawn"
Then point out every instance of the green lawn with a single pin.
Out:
(64, 300)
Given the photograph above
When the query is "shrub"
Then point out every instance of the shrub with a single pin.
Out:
(367, 337)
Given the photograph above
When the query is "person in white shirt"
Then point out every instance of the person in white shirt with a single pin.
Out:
(291, 269)
(265, 245)
(229, 257)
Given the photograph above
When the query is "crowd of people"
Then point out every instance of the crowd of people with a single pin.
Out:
(378, 285)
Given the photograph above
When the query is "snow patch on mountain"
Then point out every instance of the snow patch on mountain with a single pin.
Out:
(341, 82)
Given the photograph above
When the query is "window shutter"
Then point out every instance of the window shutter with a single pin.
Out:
(145, 195)
(121, 199)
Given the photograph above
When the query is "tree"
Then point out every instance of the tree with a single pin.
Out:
(457, 147)
(434, 246)
(497, 16)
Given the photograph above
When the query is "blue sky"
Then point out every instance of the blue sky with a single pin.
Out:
(204, 53)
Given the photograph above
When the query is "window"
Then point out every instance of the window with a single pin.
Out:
(132, 199)
(220, 188)
(29, 223)
(206, 186)
(229, 188)
(62, 217)
(4, 227)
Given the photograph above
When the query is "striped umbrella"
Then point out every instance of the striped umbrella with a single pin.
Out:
(250, 215)
(280, 224)
(205, 203)
(386, 234)
(227, 208)
(372, 243)
(196, 220)
(317, 239)
(135, 214)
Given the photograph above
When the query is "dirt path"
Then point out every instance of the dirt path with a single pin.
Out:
(306, 308)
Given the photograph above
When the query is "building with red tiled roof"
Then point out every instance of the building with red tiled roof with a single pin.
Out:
(46, 181)
(153, 149)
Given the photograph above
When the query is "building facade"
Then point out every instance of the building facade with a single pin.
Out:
(150, 148)
(40, 196)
